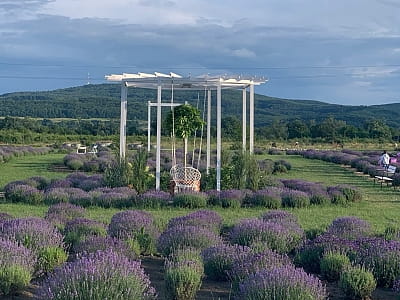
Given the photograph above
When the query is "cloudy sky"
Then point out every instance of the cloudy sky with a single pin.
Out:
(343, 51)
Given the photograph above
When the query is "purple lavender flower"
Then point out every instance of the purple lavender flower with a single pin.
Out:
(153, 199)
(59, 214)
(24, 193)
(56, 195)
(218, 260)
(129, 223)
(277, 236)
(93, 244)
(59, 183)
(349, 228)
(186, 237)
(232, 198)
(269, 197)
(13, 253)
(99, 275)
(281, 283)
(79, 229)
(204, 218)
(33, 233)
(279, 215)
(382, 257)
(310, 254)
(251, 263)
(295, 198)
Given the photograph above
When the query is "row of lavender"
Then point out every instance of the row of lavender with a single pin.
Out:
(101, 266)
(366, 162)
(85, 190)
(8, 152)
(254, 255)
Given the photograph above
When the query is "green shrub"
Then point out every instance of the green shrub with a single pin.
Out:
(332, 265)
(75, 164)
(190, 200)
(182, 279)
(357, 282)
(392, 232)
(295, 198)
(51, 257)
(319, 199)
(339, 199)
(13, 278)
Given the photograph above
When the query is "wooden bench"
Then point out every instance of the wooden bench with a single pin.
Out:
(385, 175)
(2, 195)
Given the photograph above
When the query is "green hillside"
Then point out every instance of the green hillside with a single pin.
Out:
(102, 101)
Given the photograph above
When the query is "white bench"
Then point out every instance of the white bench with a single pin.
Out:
(385, 176)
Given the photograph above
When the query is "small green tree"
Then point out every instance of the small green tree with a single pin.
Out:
(183, 120)
(140, 171)
(118, 173)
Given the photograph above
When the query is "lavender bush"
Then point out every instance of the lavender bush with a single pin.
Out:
(349, 228)
(99, 275)
(218, 260)
(17, 264)
(382, 257)
(56, 195)
(232, 198)
(190, 199)
(137, 228)
(279, 215)
(24, 193)
(310, 254)
(357, 282)
(59, 214)
(205, 218)
(269, 197)
(277, 236)
(295, 198)
(282, 283)
(39, 236)
(182, 279)
(251, 263)
(181, 236)
(79, 229)
(333, 264)
(153, 199)
(93, 244)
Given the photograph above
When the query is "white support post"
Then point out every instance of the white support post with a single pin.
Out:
(148, 126)
(208, 130)
(244, 120)
(251, 117)
(158, 153)
(219, 137)
(122, 130)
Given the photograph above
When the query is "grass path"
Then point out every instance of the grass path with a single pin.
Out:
(379, 207)
(28, 166)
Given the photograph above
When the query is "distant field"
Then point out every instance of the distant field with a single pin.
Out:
(29, 166)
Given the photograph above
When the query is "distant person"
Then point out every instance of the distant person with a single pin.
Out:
(384, 160)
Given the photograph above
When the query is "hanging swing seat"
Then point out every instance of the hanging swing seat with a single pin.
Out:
(185, 179)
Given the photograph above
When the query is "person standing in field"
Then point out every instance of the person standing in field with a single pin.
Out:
(384, 160)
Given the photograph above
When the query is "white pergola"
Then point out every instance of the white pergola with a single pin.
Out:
(173, 82)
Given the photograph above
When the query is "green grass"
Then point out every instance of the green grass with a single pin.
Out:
(380, 207)
(28, 166)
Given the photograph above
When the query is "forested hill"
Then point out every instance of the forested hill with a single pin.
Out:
(102, 101)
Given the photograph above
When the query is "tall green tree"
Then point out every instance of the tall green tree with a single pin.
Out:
(183, 120)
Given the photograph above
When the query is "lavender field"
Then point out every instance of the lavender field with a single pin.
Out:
(309, 237)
